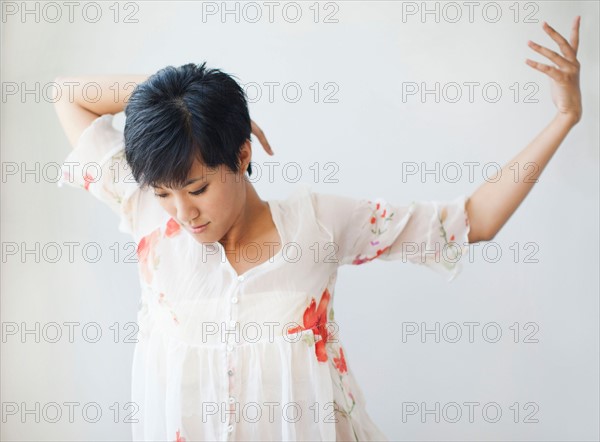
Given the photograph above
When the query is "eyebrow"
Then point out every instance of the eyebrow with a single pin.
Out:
(187, 183)
(192, 180)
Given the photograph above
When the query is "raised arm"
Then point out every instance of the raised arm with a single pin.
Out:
(494, 202)
(83, 99)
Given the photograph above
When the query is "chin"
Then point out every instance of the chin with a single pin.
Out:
(199, 238)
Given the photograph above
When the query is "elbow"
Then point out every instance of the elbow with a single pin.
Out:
(489, 234)
(477, 235)
(61, 92)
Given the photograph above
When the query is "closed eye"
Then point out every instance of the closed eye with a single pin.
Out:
(197, 192)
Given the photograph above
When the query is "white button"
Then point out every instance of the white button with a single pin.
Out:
(241, 278)
(230, 428)
(231, 399)
(234, 299)
(230, 372)
(229, 347)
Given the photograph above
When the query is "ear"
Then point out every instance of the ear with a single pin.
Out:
(245, 155)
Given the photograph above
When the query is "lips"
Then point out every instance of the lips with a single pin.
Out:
(198, 226)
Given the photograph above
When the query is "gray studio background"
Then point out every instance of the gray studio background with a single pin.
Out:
(545, 390)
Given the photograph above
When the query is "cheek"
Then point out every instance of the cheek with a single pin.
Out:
(167, 206)
(223, 204)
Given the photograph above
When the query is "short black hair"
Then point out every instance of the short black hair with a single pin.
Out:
(179, 114)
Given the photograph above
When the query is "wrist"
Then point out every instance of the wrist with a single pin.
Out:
(569, 119)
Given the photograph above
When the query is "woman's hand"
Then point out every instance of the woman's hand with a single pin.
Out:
(258, 133)
(566, 94)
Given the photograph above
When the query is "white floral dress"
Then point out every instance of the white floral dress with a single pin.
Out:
(256, 356)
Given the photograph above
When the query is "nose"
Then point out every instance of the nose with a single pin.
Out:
(186, 211)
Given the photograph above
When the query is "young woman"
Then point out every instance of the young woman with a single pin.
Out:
(237, 337)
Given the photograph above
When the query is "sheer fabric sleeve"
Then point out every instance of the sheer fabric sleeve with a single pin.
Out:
(429, 233)
(98, 165)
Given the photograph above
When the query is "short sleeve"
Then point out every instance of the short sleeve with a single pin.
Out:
(430, 233)
(98, 165)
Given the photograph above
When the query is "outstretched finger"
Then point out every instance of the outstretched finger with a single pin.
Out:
(553, 56)
(563, 44)
(265, 144)
(258, 133)
(575, 34)
(551, 71)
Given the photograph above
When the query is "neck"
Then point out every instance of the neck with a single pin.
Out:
(249, 220)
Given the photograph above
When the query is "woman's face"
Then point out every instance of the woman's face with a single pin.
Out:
(215, 197)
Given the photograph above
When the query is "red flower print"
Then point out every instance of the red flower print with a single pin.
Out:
(179, 438)
(173, 228)
(88, 179)
(144, 248)
(340, 363)
(358, 260)
(315, 319)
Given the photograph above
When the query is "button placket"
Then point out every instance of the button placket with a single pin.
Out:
(232, 326)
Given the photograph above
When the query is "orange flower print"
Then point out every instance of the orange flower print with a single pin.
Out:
(148, 260)
(345, 407)
(340, 363)
(163, 301)
(443, 214)
(144, 251)
(173, 228)
(88, 179)
(178, 437)
(376, 229)
(315, 319)
(453, 254)
(442, 218)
